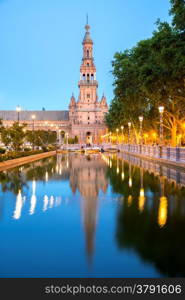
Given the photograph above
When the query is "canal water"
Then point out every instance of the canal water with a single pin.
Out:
(99, 215)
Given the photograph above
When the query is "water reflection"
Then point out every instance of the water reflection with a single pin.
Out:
(150, 202)
(33, 198)
(151, 220)
(141, 193)
(18, 206)
(46, 201)
(88, 177)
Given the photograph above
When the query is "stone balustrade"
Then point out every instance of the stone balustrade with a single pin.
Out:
(175, 154)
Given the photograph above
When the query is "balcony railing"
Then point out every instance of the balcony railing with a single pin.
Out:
(88, 82)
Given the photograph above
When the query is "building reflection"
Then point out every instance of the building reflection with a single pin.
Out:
(88, 177)
(151, 200)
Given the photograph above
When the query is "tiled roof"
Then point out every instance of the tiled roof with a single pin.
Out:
(40, 115)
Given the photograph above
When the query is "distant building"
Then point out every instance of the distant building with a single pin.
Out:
(85, 118)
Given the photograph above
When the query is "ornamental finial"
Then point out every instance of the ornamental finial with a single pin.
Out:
(87, 27)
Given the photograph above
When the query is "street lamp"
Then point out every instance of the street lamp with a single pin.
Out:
(161, 110)
(141, 129)
(129, 127)
(122, 127)
(33, 129)
(18, 110)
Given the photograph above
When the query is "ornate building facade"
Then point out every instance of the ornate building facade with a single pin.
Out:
(86, 115)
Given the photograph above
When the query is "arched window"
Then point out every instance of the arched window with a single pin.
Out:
(87, 53)
(92, 76)
(88, 77)
(88, 64)
(83, 76)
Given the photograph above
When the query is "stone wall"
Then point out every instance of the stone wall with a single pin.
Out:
(24, 160)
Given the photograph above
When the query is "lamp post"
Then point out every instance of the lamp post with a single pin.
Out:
(161, 110)
(33, 130)
(141, 129)
(122, 127)
(117, 130)
(18, 110)
(129, 127)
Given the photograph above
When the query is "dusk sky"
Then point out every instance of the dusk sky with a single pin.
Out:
(41, 50)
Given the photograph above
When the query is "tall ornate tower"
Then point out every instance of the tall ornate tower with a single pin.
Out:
(87, 114)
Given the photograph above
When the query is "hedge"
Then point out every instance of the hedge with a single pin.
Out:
(14, 154)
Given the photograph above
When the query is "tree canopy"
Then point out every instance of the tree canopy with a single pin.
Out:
(151, 74)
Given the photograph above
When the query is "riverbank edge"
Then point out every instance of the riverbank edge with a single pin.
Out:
(12, 163)
(157, 160)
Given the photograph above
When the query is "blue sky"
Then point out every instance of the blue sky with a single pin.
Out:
(41, 50)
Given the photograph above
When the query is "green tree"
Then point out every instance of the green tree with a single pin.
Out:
(5, 137)
(41, 138)
(150, 74)
(178, 13)
(17, 135)
(75, 139)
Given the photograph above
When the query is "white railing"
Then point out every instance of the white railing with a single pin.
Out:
(176, 154)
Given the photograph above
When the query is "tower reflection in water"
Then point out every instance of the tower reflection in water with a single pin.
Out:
(88, 177)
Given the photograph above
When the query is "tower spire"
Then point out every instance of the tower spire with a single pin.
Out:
(87, 27)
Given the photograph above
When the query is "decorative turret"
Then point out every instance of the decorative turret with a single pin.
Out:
(72, 102)
(103, 101)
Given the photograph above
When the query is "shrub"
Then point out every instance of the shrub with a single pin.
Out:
(15, 154)
(44, 149)
(51, 148)
(2, 150)
(26, 149)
